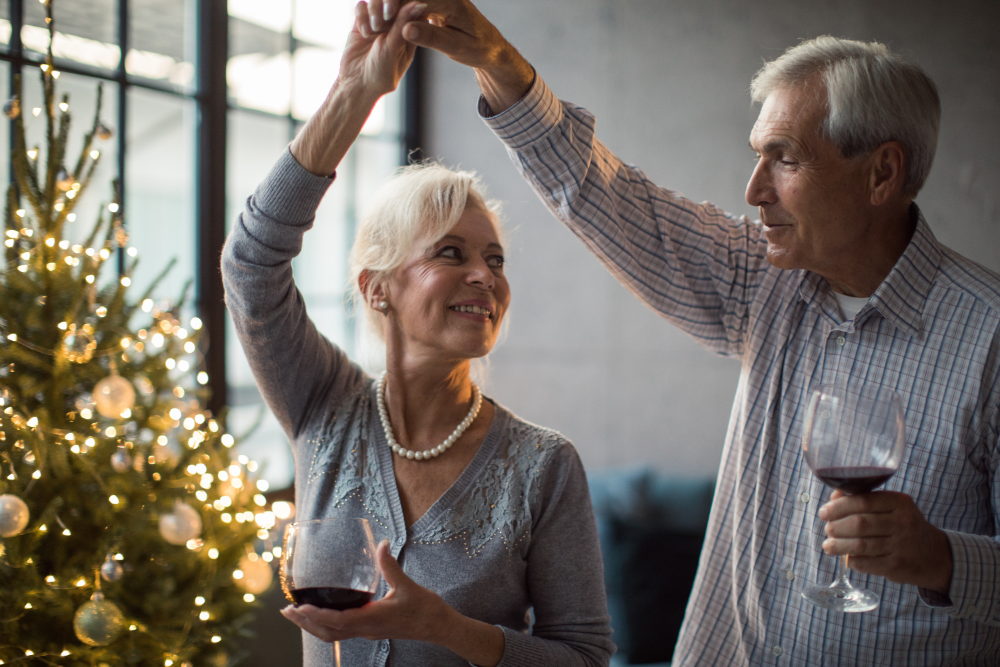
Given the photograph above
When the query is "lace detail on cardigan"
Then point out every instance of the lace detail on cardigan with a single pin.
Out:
(499, 504)
(344, 449)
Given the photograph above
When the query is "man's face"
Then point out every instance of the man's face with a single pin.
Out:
(813, 202)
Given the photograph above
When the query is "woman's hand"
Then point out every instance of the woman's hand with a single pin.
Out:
(376, 61)
(371, 66)
(408, 611)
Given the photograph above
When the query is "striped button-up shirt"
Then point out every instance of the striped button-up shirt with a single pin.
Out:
(931, 332)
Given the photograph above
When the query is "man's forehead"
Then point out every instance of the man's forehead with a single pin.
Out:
(788, 112)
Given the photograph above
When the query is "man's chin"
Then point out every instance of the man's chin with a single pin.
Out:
(780, 257)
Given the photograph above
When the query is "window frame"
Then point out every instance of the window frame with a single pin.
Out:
(212, 105)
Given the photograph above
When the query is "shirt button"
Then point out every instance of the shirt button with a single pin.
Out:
(776, 651)
(400, 541)
(790, 575)
(841, 341)
(804, 497)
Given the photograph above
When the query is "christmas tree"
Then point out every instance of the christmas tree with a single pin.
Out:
(130, 533)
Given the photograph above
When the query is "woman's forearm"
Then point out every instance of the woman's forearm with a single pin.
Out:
(478, 642)
(329, 134)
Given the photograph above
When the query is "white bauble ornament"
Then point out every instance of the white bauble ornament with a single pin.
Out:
(180, 525)
(98, 622)
(78, 345)
(113, 395)
(257, 575)
(120, 460)
(13, 515)
(111, 570)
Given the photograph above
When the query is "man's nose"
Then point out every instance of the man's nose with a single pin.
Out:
(760, 189)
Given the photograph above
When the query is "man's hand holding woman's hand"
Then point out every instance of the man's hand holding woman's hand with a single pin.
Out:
(458, 30)
(408, 611)
(371, 66)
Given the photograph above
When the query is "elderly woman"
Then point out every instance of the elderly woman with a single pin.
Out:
(482, 517)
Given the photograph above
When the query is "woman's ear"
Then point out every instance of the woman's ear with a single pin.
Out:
(374, 296)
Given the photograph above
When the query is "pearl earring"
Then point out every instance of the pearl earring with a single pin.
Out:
(384, 307)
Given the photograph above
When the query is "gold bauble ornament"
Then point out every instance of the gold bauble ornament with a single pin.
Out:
(257, 575)
(13, 515)
(113, 395)
(98, 622)
(78, 345)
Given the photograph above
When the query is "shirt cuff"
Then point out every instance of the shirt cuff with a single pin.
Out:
(975, 579)
(530, 119)
(519, 650)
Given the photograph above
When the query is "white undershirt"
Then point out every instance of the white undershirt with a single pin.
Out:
(849, 305)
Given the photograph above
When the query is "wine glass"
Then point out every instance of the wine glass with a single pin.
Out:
(329, 563)
(853, 440)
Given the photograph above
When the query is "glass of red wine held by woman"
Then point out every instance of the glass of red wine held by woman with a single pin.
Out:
(853, 440)
(330, 563)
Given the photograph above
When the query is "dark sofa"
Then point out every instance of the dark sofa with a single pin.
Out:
(652, 528)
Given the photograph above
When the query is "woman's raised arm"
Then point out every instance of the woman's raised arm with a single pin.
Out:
(295, 367)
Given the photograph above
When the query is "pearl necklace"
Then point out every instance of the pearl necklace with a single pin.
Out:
(477, 402)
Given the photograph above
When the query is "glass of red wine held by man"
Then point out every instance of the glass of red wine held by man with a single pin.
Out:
(331, 564)
(853, 441)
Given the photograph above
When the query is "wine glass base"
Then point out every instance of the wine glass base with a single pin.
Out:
(846, 600)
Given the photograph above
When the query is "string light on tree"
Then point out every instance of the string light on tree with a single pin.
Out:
(256, 576)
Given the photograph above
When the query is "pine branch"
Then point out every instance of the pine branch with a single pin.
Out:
(25, 173)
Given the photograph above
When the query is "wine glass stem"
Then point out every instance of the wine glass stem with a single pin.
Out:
(336, 654)
(841, 582)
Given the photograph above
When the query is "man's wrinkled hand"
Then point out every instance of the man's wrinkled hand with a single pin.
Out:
(886, 535)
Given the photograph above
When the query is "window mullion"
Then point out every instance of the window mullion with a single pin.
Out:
(210, 187)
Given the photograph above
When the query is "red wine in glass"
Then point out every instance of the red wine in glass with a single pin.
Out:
(332, 597)
(852, 480)
(853, 441)
(329, 563)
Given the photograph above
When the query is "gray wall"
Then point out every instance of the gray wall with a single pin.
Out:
(668, 83)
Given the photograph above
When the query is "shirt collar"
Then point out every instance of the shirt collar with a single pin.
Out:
(901, 296)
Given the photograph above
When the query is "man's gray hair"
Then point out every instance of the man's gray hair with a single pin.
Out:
(873, 96)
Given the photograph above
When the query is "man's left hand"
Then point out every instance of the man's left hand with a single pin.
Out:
(885, 534)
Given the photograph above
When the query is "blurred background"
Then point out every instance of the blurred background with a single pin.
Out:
(209, 93)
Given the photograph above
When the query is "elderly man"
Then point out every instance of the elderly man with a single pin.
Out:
(841, 278)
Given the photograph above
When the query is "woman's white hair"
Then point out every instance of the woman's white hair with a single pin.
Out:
(873, 96)
(416, 207)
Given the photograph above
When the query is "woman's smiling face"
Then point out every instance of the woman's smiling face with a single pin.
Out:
(447, 300)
